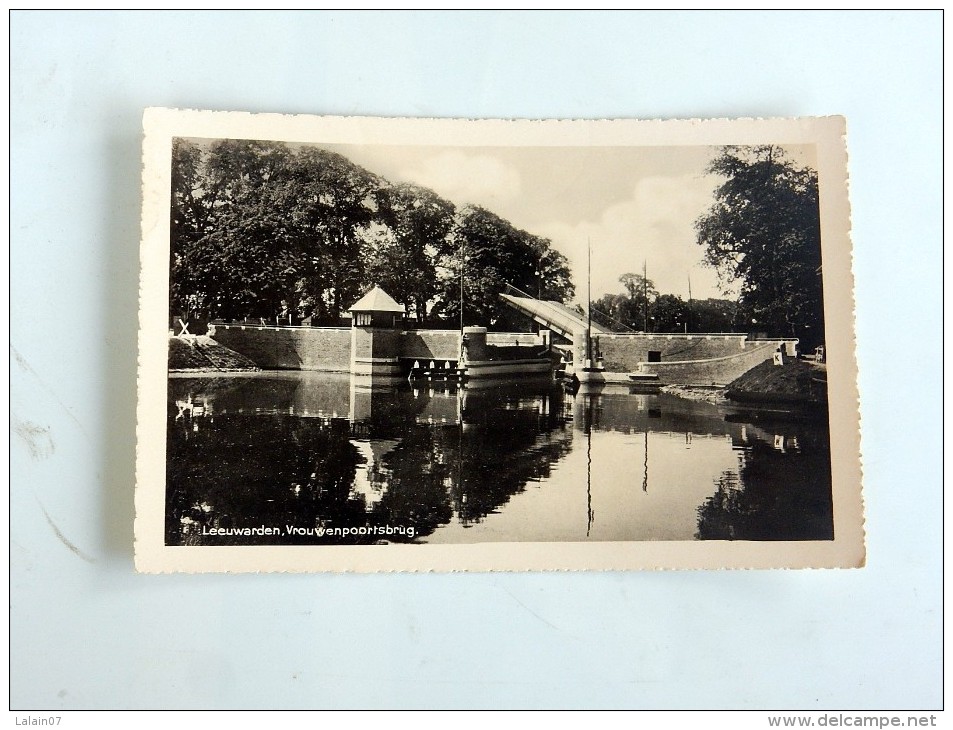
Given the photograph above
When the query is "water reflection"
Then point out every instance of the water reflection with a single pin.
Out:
(399, 463)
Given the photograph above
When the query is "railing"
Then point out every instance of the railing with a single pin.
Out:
(259, 326)
(686, 335)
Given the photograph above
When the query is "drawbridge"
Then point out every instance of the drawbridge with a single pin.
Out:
(553, 315)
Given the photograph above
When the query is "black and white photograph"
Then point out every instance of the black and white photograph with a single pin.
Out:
(435, 344)
(477, 360)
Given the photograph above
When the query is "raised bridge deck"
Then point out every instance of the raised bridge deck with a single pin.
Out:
(553, 315)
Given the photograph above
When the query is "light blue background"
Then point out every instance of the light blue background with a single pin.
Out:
(87, 632)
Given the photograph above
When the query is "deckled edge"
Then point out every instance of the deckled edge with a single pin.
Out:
(151, 215)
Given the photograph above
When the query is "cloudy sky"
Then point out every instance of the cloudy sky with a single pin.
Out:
(634, 204)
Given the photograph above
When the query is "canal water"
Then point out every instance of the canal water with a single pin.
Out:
(317, 458)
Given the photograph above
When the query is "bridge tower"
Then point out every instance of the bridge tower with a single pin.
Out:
(375, 334)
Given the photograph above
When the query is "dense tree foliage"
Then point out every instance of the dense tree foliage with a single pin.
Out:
(412, 232)
(631, 310)
(491, 254)
(642, 308)
(762, 235)
(263, 229)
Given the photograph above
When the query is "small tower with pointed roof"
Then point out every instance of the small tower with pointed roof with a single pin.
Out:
(375, 338)
(377, 308)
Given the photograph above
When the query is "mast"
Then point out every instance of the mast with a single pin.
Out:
(645, 299)
(589, 303)
(688, 314)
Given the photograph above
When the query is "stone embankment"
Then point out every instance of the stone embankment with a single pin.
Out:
(691, 392)
(796, 383)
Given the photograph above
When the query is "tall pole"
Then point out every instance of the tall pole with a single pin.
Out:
(688, 314)
(589, 302)
(645, 299)
(462, 262)
(539, 277)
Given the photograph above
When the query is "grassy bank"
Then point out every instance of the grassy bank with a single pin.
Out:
(797, 382)
(200, 353)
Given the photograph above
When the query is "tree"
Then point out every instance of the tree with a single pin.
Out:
(633, 312)
(263, 229)
(713, 315)
(669, 313)
(334, 202)
(611, 311)
(414, 225)
(555, 276)
(244, 261)
(187, 217)
(642, 292)
(491, 253)
(224, 225)
(638, 286)
(762, 235)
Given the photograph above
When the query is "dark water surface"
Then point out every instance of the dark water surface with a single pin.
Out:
(316, 451)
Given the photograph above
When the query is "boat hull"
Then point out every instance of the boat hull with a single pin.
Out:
(477, 369)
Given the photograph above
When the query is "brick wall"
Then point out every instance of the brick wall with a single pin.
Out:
(623, 353)
(514, 352)
(430, 344)
(305, 348)
(718, 371)
(329, 348)
(386, 343)
(501, 339)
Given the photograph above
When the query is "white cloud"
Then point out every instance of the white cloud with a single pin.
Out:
(465, 177)
(655, 225)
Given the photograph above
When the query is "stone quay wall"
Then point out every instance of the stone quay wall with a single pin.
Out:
(718, 371)
(329, 348)
(289, 348)
(699, 359)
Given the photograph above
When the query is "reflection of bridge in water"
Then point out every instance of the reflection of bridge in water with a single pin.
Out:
(369, 411)
(421, 455)
(362, 401)
(318, 449)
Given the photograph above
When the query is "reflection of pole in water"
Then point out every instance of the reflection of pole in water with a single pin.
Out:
(588, 463)
(463, 494)
(645, 468)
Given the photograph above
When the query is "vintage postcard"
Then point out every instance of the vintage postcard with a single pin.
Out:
(470, 345)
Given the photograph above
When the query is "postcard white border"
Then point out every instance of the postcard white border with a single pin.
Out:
(828, 133)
